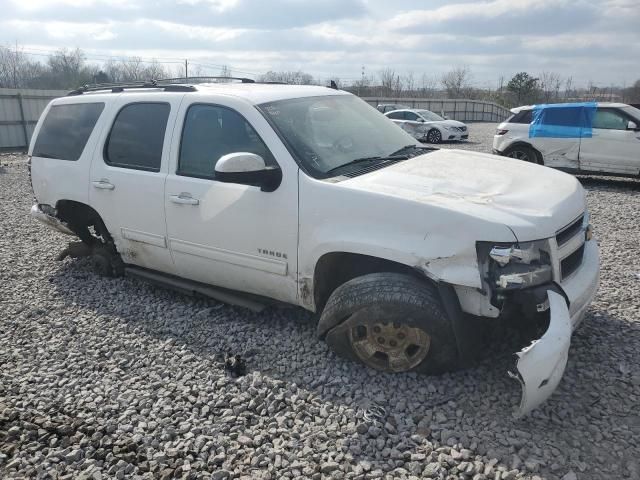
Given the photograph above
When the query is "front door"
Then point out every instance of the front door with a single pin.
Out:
(230, 235)
(613, 147)
(128, 171)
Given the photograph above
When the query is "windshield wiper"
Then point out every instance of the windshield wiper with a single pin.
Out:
(368, 159)
(407, 148)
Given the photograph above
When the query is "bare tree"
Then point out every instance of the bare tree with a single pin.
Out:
(549, 84)
(294, 78)
(387, 80)
(409, 83)
(428, 85)
(457, 82)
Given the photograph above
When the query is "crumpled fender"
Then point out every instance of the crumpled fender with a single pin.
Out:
(540, 366)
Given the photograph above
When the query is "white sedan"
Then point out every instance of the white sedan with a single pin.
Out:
(426, 126)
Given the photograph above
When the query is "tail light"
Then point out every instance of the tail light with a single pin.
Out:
(501, 131)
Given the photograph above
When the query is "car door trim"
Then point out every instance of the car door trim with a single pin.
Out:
(144, 237)
(254, 262)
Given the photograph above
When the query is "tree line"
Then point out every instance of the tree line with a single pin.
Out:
(67, 69)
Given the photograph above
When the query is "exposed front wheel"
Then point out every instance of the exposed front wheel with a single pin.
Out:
(434, 136)
(522, 152)
(391, 322)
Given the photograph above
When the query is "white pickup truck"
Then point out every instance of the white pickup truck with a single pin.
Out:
(309, 196)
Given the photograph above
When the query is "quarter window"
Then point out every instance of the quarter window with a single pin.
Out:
(137, 136)
(66, 129)
(211, 132)
(609, 120)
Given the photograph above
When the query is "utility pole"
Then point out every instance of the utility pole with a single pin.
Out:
(186, 69)
(15, 67)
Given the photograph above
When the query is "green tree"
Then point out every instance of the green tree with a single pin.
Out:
(524, 87)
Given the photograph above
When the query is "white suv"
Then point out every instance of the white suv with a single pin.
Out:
(309, 196)
(611, 144)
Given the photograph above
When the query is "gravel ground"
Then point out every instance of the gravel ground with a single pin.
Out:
(104, 378)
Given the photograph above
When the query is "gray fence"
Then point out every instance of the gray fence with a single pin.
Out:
(19, 113)
(462, 110)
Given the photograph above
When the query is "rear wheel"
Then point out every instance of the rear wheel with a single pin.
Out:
(391, 322)
(523, 152)
(434, 136)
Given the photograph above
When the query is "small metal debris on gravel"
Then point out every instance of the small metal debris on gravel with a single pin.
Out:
(116, 378)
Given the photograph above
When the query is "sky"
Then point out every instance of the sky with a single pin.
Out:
(591, 41)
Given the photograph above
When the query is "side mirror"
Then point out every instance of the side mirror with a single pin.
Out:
(247, 169)
(421, 120)
(632, 125)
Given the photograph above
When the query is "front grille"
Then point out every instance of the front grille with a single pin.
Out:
(568, 232)
(571, 263)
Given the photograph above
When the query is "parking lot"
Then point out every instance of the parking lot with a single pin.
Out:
(105, 378)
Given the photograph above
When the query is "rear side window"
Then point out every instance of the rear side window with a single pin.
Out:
(66, 129)
(523, 116)
(396, 115)
(137, 136)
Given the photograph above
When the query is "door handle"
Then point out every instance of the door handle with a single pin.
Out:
(103, 184)
(184, 199)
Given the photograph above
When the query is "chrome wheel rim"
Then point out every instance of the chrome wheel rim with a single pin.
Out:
(389, 346)
(434, 136)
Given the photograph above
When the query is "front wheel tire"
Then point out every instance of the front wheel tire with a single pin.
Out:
(390, 322)
(524, 153)
(434, 136)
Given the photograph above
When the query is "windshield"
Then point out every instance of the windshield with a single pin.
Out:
(329, 131)
(430, 116)
(633, 111)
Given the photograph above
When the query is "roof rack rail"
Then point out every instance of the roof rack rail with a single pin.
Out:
(121, 87)
(204, 79)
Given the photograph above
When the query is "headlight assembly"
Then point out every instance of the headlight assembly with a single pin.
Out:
(510, 267)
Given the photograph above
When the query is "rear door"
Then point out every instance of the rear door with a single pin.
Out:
(128, 173)
(612, 148)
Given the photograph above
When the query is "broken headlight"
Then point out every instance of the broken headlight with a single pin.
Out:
(515, 266)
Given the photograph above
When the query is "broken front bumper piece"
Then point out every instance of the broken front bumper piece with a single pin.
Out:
(540, 365)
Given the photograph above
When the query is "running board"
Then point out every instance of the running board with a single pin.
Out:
(190, 287)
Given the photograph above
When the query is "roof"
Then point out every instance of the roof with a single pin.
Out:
(599, 104)
(255, 93)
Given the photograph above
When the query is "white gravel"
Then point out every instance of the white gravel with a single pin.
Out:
(113, 378)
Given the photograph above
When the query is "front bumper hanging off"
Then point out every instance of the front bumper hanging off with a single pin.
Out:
(540, 366)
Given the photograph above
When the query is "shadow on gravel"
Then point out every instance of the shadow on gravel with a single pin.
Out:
(612, 183)
(471, 407)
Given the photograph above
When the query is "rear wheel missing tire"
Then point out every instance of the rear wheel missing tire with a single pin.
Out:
(391, 322)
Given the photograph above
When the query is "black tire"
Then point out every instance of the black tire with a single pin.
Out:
(396, 299)
(434, 136)
(524, 153)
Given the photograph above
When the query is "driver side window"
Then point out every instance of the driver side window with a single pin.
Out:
(210, 132)
(411, 116)
(609, 120)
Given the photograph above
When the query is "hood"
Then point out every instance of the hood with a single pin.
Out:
(533, 201)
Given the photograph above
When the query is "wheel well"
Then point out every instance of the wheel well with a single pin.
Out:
(81, 218)
(334, 269)
(528, 145)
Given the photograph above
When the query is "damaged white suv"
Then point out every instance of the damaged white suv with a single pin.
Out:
(307, 195)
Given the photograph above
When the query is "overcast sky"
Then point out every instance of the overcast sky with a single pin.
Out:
(595, 41)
